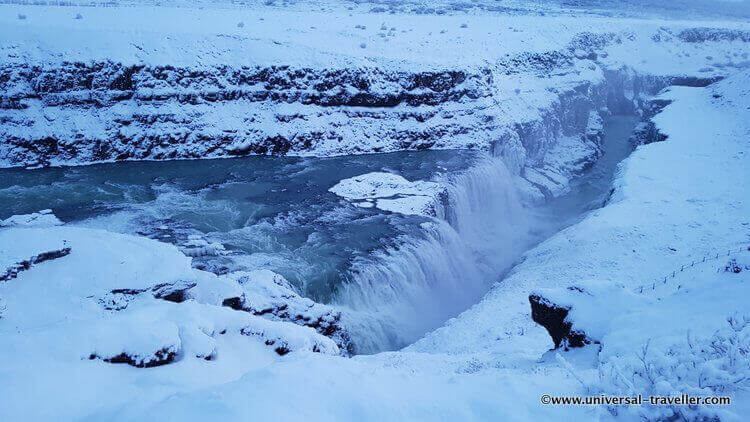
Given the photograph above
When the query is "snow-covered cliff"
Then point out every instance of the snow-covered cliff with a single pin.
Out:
(151, 83)
(224, 83)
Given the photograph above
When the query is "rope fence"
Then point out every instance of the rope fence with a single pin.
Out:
(707, 258)
(67, 3)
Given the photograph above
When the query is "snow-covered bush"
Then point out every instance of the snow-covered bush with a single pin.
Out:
(21, 16)
(714, 366)
(240, 24)
(733, 267)
(78, 16)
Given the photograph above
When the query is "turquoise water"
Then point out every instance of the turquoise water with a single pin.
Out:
(271, 212)
(394, 276)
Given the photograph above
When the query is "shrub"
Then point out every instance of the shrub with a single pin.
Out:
(718, 365)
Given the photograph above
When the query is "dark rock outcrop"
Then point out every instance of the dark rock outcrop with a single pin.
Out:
(280, 345)
(323, 319)
(554, 318)
(12, 271)
(118, 299)
(272, 297)
(160, 357)
(173, 292)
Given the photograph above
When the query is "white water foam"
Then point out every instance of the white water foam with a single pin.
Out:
(394, 296)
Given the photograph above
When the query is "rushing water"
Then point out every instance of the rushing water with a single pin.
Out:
(395, 276)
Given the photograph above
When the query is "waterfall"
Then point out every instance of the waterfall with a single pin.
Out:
(396, 295)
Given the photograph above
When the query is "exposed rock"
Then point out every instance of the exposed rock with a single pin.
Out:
(733, 267)
(282, 345)
(118, 299)
(160, 357)
(235, 303)
(12, 271)
(554, 319)
(269, 295)
(173, 292)
(167, 112)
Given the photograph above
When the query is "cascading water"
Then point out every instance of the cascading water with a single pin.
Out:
(398, 294)
(395, 276)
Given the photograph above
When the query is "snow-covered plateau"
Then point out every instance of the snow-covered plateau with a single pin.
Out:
(387, 210)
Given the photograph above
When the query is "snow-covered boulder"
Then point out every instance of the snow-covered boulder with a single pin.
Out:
(391, 192)
(125, 299)
(579, 315)
(41, 218)
(135, 340)
(197, 246)
(285, 337)
(271, 296)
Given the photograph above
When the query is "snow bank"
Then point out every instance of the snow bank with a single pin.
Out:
(675, 202)
(119, 299)
(42, 218)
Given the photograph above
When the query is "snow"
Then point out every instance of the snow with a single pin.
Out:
(54, 319)
(674, 202)
(391, 192)
(38, 219)
(191, 97)
(483, 364)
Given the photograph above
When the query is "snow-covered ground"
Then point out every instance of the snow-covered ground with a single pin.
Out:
(104, 326)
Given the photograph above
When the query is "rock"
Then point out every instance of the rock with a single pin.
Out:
(271, 296)
(454, 108)
(173, 292)
(235, 303)
(12, 271)
(43, 218)
(554, 319)
(286, 343)
(118, 299)
(391, 192)
(160, 357)
(733, 267)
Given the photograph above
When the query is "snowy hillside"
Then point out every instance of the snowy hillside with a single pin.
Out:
(497, 254)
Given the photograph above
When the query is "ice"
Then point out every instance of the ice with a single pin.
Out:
(391, 192)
